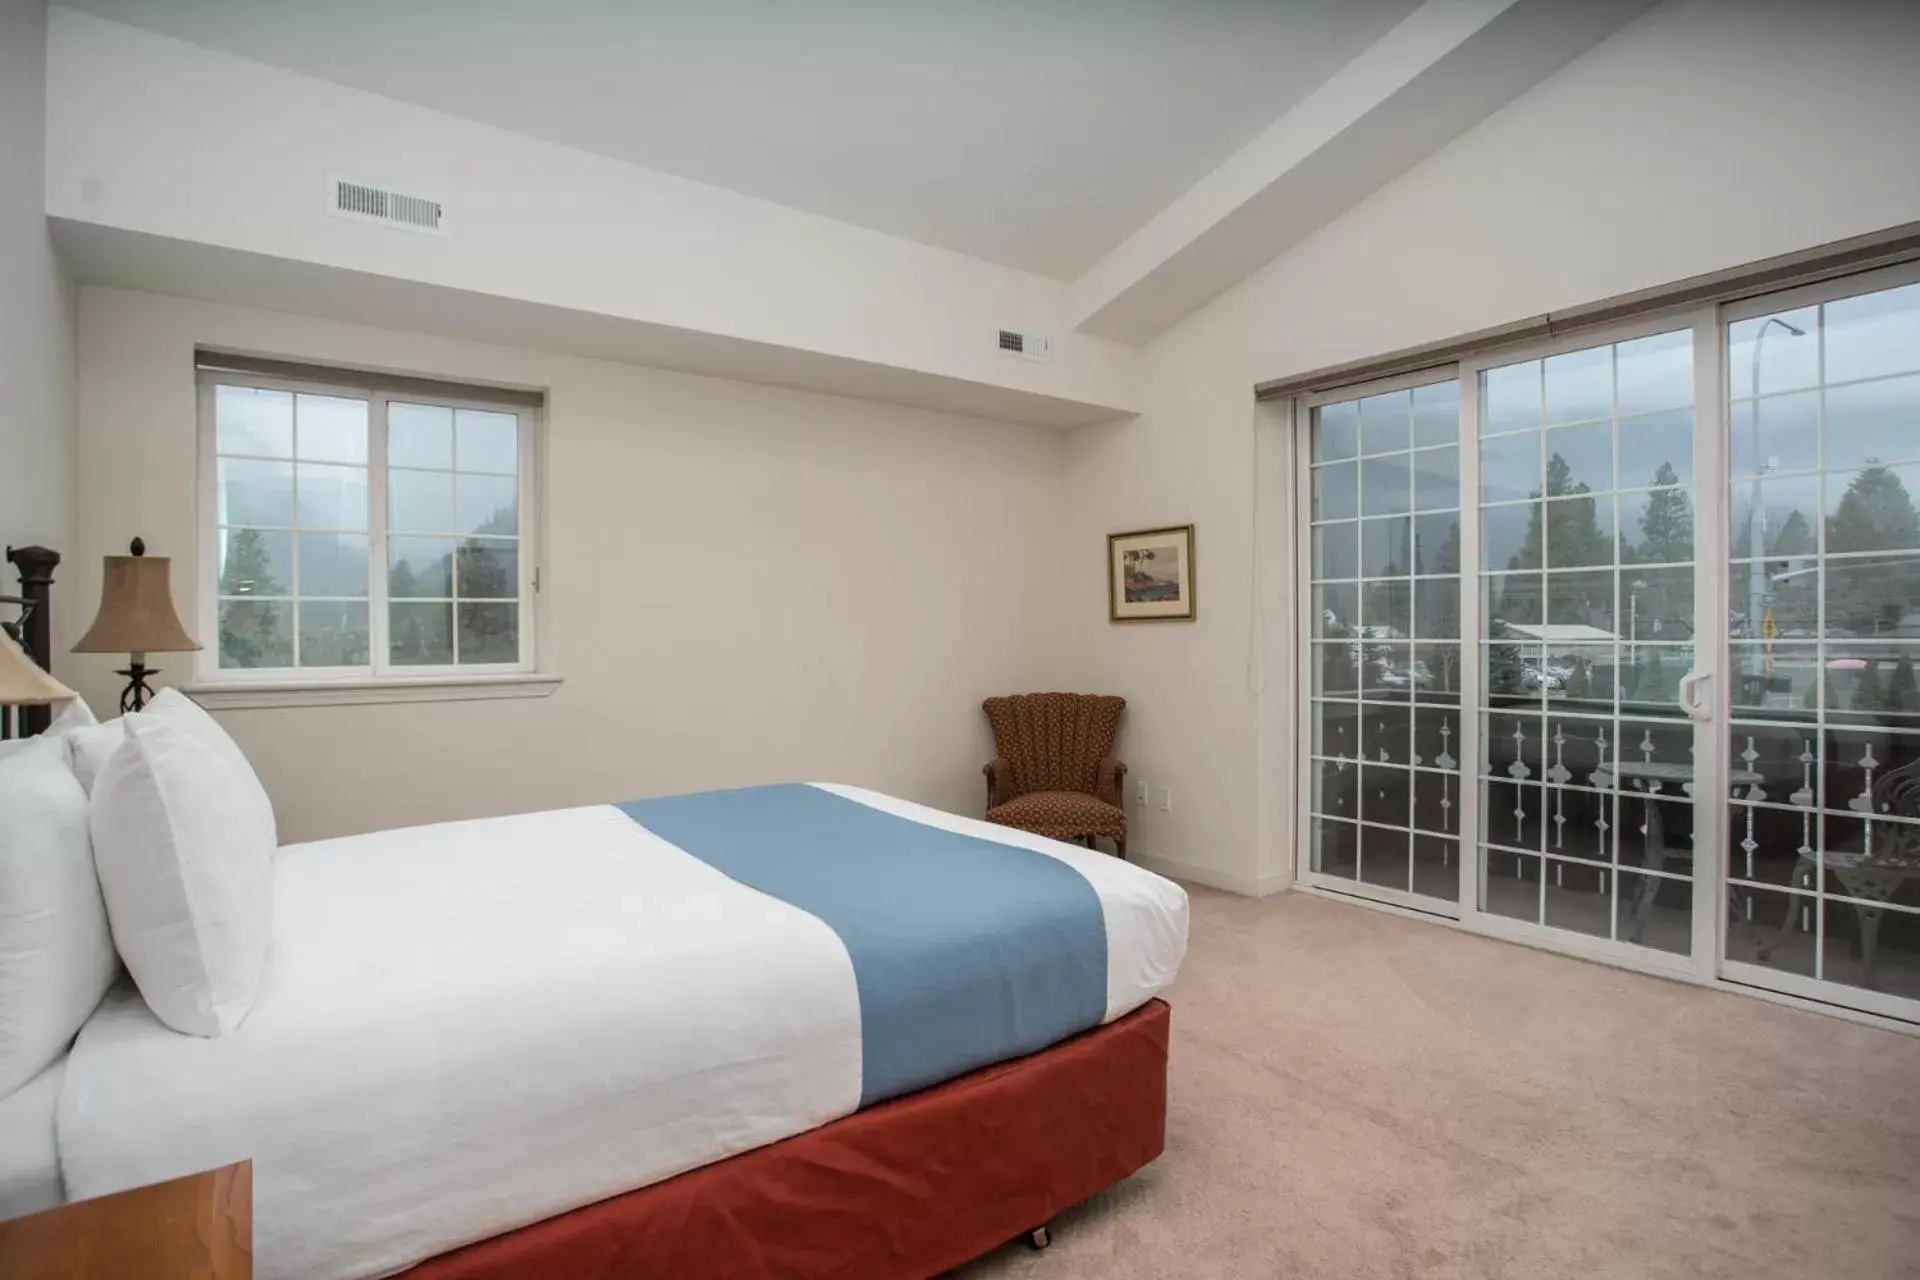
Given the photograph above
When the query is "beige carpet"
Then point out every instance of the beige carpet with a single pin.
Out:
(1357, 1095)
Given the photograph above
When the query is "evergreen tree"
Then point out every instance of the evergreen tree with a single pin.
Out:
(1903, 694)
(489, 631)
(1795, 538)
(402, 582)
(1652, 683)
(254, 631)
(1868, 695)
(1443, 558)
(1822, 681)
(1506, 672)
(1567, 530)
(1580, 683)
(1875, 514)
(248, 570)
(1666, 522)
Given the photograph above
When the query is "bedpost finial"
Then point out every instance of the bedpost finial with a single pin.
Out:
(36, 564)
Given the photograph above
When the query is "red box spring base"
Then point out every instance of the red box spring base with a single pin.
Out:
(909, 1188)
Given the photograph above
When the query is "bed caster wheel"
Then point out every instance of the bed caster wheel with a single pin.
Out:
(1038, 1239)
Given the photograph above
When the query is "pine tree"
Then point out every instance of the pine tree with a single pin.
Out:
(1875, 514)
(1903, 694)
(254, 631)
(1794, 539)
(1868, 695)
(1566, 528)
(248, 570)
(1506, 672)
(1666, 523)
(1580, 683)
(489, 632)
(1652, 684)
(402, 582)
(1443, 559)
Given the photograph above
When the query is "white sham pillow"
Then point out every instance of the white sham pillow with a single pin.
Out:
(171, 704)
(185, 857)
(90, 746)
(74, 716)
(56, 957)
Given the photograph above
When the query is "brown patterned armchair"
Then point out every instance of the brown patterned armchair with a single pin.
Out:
(1053, 771)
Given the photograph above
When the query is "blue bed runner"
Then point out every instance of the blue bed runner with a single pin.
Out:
(965, 951)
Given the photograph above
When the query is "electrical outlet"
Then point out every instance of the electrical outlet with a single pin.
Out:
(1163, 799)
(1140, 793)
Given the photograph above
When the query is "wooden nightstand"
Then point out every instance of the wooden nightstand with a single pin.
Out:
(194, 1228)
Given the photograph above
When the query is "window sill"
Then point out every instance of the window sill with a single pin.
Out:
(225, 695)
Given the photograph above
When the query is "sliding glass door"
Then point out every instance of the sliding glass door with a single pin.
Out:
(1587, 622)
(1823, 837)
(1384, 652)
(1612, 643)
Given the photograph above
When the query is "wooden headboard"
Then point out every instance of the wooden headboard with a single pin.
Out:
(33, 629)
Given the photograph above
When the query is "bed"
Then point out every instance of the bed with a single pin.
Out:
(784, 1030)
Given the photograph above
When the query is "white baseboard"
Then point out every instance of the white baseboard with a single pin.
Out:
(1192, 873)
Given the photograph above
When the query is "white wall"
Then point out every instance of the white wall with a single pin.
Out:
(745, 583)
(154, 135)
(1708, 134)
(36, 305)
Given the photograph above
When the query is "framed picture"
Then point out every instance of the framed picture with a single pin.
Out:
(1150, 575)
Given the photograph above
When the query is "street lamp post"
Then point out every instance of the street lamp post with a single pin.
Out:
(1756, 510)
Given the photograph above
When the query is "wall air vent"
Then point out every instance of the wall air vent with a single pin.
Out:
(366, 203)
(1027, 345)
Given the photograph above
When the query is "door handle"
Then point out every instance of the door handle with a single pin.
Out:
(1691, 703)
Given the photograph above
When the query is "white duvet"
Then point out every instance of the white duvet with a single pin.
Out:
(468, 1027)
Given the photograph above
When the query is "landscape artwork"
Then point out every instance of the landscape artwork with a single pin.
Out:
(1150, 575)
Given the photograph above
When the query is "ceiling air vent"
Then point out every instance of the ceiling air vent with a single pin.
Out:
(1029, 346)
(389, 208)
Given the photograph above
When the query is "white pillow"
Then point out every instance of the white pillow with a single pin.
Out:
(186, 864)
(75, 715)
(88, 748)
(56, 958)
(189, 715)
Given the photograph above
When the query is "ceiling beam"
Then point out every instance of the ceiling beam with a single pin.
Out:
(1449, 65)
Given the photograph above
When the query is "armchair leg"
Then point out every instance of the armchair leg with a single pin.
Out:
(1120, 847)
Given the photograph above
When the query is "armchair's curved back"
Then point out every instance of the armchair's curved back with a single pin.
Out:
(1053, 741)
(1897, 791)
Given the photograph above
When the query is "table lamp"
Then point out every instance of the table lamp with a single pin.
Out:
(24, 684)
(136, 618)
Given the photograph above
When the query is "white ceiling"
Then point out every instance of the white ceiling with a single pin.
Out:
(1033, 133)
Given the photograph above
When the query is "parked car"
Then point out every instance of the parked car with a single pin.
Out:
(1552, 679)
(1412, 675)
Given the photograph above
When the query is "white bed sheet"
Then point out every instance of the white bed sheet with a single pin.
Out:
(468, 1027)
(29, 1160)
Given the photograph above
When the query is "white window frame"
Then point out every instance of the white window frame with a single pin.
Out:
(1706, 963)
(380, 679)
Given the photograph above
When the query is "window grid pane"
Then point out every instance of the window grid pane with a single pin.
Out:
(295, 538)
(1822, 647)
(1384, 586)
(1586, 562)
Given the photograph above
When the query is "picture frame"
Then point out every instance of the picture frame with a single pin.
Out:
(1150, 575)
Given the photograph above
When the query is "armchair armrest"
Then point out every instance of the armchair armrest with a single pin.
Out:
(996, 771)
(1109, 784)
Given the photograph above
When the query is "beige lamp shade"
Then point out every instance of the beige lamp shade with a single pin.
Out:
(136, 609)
(23, 683)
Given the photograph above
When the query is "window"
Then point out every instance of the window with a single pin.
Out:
(357, 532)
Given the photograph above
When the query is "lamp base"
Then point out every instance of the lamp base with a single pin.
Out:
(134, 697)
